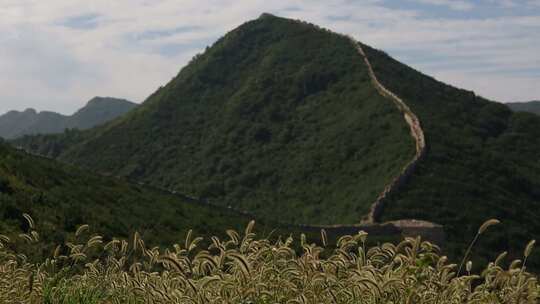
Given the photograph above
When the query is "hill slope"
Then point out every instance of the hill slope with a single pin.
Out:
(482, 161)
(61, 197)
(277, 114)
(97, 111)
(531, 106)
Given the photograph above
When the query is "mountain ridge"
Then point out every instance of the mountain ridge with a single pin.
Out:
(97, 111)
(416, 132)
(525, 106)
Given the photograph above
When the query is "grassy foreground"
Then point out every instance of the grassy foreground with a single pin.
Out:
(245, 269)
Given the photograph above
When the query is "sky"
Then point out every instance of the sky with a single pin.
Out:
(57, 54)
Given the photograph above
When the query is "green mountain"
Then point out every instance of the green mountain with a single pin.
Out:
(530, 106)
(276, 114)
(97, 111)
(284, 119)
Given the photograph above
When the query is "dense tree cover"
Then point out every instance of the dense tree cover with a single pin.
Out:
(531, 106)
(50, 145)
(97, 111)
(483, 161)
(278, 117)
(61, 197)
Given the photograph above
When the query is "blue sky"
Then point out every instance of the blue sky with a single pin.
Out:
(57, 54)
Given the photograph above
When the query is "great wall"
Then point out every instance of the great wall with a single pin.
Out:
(371, 223)
(416, 132)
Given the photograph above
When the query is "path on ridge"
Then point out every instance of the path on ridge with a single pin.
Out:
(416, 132)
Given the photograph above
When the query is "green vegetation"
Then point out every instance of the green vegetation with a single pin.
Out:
(482, 162)
(531, 106)
(98, 110)
(63, 197)
(241, 268)
(277, 115)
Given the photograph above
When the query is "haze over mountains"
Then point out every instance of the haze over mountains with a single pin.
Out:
(528, 106)
(281, 118)
(97, 111)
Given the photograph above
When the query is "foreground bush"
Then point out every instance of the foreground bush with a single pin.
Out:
(243, 269)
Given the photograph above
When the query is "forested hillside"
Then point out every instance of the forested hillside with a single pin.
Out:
(276, 115)
(482, 161)
(61, 197)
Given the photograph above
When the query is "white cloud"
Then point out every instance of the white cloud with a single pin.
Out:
(452, 4)
(48, 65)
(504, 3)
(495, 86)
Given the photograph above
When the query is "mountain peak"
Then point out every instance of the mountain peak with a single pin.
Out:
(266, 15)
(30, 111)
(98, 110)
(98, 99)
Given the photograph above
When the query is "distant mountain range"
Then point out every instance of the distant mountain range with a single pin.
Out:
(97, 111)
(529, 106)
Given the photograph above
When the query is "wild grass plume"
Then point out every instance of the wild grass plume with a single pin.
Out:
(245, 269)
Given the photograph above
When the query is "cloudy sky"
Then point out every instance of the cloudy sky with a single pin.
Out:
(57, 54)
